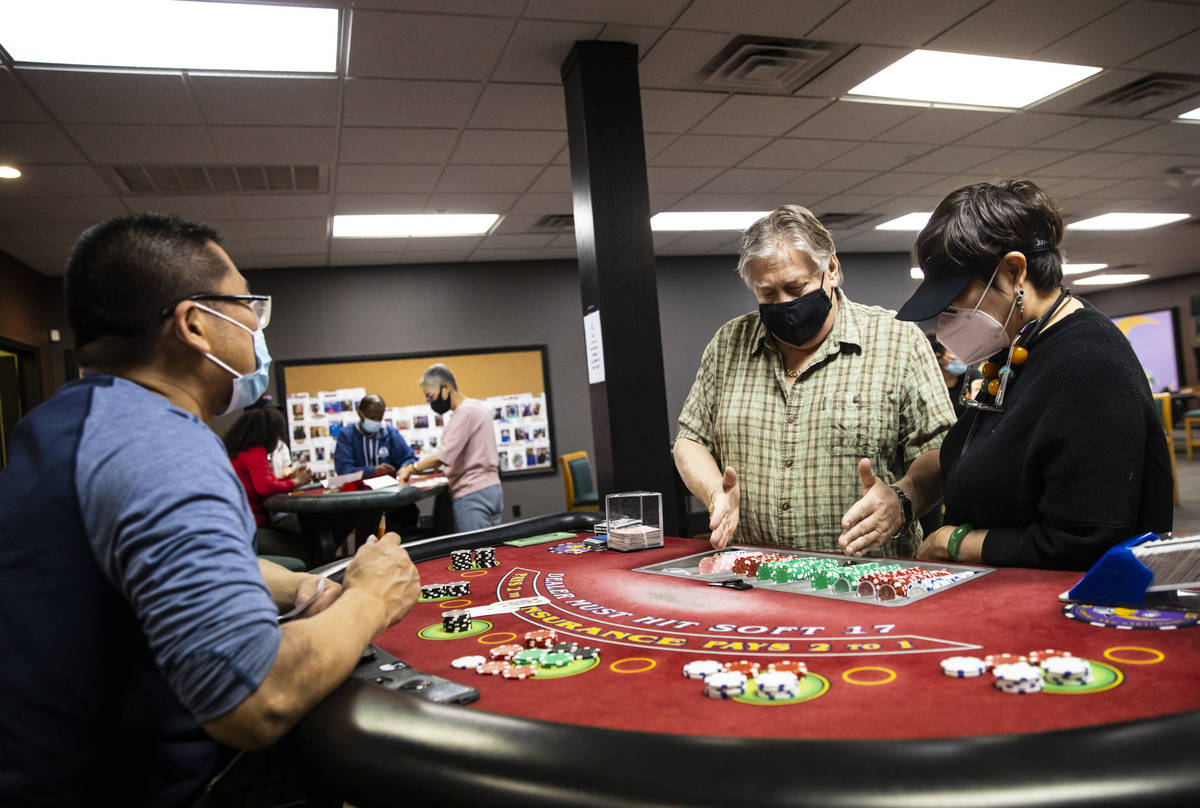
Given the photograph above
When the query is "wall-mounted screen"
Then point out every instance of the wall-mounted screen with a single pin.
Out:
(1155, 340)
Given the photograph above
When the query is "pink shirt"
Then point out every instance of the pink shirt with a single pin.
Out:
(468, 449)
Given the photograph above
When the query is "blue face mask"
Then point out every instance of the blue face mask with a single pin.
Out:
(371, 427)
(956, 367)
(247, 387)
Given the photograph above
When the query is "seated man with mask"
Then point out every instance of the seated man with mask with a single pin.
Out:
(370, 446)
(814, 422)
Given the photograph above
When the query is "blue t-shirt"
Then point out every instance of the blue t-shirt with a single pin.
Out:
(132, 609)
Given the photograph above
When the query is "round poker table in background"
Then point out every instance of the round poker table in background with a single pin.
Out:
(878, 725)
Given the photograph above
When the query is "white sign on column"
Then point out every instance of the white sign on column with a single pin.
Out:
(595, 347)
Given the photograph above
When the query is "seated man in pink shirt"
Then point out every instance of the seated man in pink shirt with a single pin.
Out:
(467, 449)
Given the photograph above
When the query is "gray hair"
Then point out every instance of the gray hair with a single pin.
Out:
(786, 227)
(436, 375)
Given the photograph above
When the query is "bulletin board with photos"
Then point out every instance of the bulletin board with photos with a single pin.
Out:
(322, 396)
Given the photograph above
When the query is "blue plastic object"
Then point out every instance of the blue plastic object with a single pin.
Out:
(1118, 578)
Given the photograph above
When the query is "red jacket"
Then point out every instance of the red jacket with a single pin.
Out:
(258, 478)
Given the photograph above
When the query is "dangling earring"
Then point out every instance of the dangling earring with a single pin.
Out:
(1021, 302)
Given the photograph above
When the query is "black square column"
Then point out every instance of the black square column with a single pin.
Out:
(615, 250)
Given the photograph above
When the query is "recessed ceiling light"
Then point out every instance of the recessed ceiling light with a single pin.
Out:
(1193, 115)
(416, 225)
(705, 220)
(172, 35)
(917, 274)
(1127, 221)
(1076, 269)
(1107, 278)
(909, 221)
(939, 77)
(9, 173)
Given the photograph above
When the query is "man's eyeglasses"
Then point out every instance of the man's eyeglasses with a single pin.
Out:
(259, 304)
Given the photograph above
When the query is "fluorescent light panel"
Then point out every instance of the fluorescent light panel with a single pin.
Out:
(1108, 278)
(171, 34)
(1127, 221)
(1077, 269)
(917, 274)
(940, 77)
(705, 220)
(414, 225)
(9, 173)
(909, 221)
(1193, 115)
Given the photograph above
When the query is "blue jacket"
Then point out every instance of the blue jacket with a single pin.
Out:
(358, 451)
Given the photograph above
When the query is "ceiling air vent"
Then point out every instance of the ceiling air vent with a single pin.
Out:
(768, 65)
(219, 179)
(554, 223)
(1143, 96)
(846, 221)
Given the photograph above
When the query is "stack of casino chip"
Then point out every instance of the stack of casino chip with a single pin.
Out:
(777, 685)
(454, 589)
(701, 668)
(456, 620)
(1038, 657)
(461, 560)
(725, 685)
(1018, 677)
(794, 568)
(485, 557)
(507, 651)
(748, 564)
(964, 667)
(541, 638)
(1067, 670)
(432, 591)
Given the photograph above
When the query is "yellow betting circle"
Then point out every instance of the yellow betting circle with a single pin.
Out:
(472, 573)
(454, 604)
(613, 667)
(507, 636)
(891, 676)
(1156, 656)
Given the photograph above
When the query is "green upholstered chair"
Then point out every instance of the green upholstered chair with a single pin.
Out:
(577, 480)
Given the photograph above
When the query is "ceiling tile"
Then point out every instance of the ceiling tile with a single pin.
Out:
(630, 12)
(523, 241)
(288, 246)
(1018, 28)
(544, 204)
(48, 259)
(558, 254)
(1073, 98)
(1123, 34)
(896, 183)
(414, 256)
(704, 201)
(851, 120)
(1152, 141)
(709, 150)
(852, 69)
(312, 227)
(662, 200)
(378, 102)
(267, 101)
(281, 206)
(554, 179)
(941, 125)
(750, 180)
(387, 179)
(498, 254)
(954, 158)
(151, 145)
(537, 49)
(878, 156)
(70, 180)
(1019, 162)
(395, 145)
(426, 46)
(853, 203)
(495, 8)
(508, 147)
(516, 223)
(275, 144)
(84, 96)
(1093, 133)
(67, 208)
(676, 110)
(1065, 189)
(758, 115)
(676, 179)
(643, 36)
(797, 153)
(675, 59)
(1021, 129)
(379, 203)
(29, 143)
(460, 178)
(520, 106)
(770, 17)
(1153, 166)
(1177, 57)
(654, 143)
(201, 208)
(16, 103)
(815, 184)
(303, 261)
(1085, 164)
(445, 202)
(893, 23)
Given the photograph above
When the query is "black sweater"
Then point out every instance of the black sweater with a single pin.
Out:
(1077, 461)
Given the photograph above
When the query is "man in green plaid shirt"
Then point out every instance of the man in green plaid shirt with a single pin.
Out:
(814, 422)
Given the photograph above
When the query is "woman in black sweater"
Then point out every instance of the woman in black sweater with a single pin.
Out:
(1061, 455)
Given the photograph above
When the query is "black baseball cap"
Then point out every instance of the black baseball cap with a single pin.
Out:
(936, 292)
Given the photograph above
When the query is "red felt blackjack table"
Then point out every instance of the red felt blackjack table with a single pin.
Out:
(876, 721)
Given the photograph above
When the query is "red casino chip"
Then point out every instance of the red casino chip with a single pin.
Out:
(1037, 657)
(541, 638)
(519, 672)
(506, 651)
(744, 667)
(993, 660)
(493, 668)
(789, 666)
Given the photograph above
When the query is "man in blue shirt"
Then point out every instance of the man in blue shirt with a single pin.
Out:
(141, 632)
(371, 446)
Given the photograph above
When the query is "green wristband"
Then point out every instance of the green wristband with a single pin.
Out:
(956, 538)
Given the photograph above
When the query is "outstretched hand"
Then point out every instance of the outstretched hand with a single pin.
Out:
(725, 509)
(875, 518)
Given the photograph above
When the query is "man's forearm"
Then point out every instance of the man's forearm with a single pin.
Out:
(281, 582)
(698, 469)
(923, 482)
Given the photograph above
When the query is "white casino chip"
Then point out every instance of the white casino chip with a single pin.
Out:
(701, 668)
(468, 662)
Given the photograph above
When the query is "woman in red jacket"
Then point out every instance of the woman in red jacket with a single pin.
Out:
(250, 442)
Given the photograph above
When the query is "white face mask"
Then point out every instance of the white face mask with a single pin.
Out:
(973, 334)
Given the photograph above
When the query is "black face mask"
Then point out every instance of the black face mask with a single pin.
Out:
(440, 405)
(797, 321)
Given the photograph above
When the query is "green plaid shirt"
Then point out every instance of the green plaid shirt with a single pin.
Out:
(873, 389)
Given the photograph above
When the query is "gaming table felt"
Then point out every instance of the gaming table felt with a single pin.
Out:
(883, 703)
